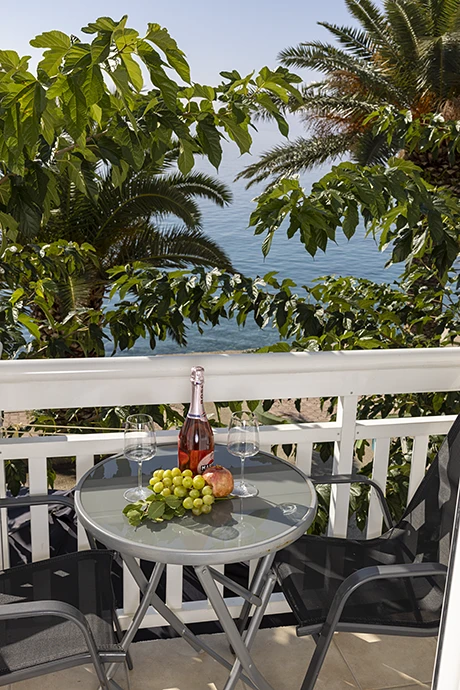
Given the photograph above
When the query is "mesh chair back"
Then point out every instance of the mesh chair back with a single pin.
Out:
(426, 526)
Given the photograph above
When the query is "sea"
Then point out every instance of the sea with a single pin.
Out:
(228, 226)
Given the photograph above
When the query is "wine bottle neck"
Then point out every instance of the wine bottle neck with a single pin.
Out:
(196, 410)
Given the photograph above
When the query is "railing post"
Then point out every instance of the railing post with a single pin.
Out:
(304, 456)
(39, 527)
(379, 475)
(343, 464)
(418, 464)
(83, 464)
(174, 584)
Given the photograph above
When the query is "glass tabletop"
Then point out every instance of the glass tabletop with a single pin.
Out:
(235, 530)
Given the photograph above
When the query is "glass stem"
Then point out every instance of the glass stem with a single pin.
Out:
(139, 476)
(242, 470)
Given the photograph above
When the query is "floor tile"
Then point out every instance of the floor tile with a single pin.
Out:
(173, 665)
(384, 661)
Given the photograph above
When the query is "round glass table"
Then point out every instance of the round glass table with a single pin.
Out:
(237, 529)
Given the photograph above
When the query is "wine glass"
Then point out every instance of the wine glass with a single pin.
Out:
(140, 445)
(243, 441)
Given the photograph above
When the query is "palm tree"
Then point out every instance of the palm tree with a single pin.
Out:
(405, 55)
(129, 224)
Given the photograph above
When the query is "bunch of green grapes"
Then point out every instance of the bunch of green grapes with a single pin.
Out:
(195, 494)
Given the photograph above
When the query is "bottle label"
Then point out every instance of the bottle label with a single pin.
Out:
(205, 462)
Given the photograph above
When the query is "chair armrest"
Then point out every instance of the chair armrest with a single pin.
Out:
(30, 609)
(375, 572)
(358, 479)
(60, 609)
(36, 500)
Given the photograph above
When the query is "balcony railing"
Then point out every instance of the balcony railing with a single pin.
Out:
(38, 384)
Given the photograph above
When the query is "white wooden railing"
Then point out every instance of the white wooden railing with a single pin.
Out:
(29, 384)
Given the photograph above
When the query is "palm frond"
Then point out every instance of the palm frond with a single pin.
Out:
(403, 54)
(72, 292)
(374, 23)
(331, 60)
(359, 43)
(175, 246)
(407, 25)
(371, 149)
(298, 156)
(446, 16)
(317, 103)
(201, 185)
(438, 73)
(141, 199)
(128, 218)
(74, 219)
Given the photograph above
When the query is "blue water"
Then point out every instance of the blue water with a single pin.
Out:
(358, 257)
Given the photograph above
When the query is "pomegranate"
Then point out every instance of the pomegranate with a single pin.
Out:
(220, 479)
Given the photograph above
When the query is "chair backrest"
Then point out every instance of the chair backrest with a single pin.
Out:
(427, 524)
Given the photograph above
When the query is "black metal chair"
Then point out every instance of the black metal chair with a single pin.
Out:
(58, 613)
(393, 584)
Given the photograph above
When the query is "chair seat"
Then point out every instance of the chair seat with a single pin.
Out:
(311, 570)
(81, 579)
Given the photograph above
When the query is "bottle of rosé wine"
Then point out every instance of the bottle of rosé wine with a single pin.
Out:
(196, 440)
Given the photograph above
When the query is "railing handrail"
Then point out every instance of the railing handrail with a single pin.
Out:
(271, 362)
(29, 384)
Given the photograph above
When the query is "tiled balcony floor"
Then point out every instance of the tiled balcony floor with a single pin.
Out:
(354, 662)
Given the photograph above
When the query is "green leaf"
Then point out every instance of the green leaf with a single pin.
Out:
(134, 71)
(103, 24)
(239, 134)
(156, 510)
(121, 79)
(186, 160)
(168, 45)
(169, 89)
(9, 59)
(209, 138)
(94, 89)
(283, 125)
(134, 517)
(17, 294)
(278, 90)
(161, 38)
(75, 109)
(267, 243)
(51, 39)
(52, 60)
(436, 226)
(30, 324)
(9, 225)
(173, 502)
(350, 220)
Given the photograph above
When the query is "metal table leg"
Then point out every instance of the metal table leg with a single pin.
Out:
(249, 635)
(138, 617)
(261, 588)
(241, 645)
(256, 584)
